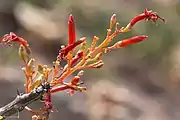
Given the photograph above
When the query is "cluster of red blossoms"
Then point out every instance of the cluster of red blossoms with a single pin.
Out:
(77, 58)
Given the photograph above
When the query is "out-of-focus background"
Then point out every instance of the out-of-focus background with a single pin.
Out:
(140, 82)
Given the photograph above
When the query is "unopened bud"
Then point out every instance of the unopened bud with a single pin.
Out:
(112, 21)
(75, 80)
(95, 39)
(24, 54)
(71, 30)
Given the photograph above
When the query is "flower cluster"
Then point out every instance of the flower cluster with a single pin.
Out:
(85, 57)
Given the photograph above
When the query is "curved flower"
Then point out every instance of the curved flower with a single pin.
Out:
(147, 15)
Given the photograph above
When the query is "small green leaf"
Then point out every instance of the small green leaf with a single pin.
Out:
(35, 84)
(40, 69)
(1, 117)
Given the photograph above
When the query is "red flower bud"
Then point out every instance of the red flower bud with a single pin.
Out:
(75, 80)
(131, 40)
(71, 30)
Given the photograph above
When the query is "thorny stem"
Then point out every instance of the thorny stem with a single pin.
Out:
(22, 100)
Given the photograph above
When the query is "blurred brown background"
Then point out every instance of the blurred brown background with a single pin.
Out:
(140, 82)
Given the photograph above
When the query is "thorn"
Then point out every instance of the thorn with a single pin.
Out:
(18, 92)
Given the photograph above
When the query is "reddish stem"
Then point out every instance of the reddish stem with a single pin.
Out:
(59, 88)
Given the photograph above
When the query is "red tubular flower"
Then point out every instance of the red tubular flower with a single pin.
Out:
(64, 51)
(71, 30)
(147, 15)
(131, 40)
(13, 38)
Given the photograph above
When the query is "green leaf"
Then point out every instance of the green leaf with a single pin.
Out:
(40, 69)
(1, 117)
